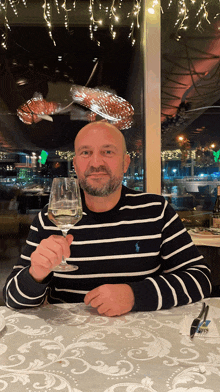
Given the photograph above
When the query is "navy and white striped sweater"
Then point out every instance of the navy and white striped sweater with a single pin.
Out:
(141, 242)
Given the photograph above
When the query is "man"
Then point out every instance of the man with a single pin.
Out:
(132, 250)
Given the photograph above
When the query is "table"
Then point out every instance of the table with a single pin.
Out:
(139, 351)
(204, 237)
(208, 245)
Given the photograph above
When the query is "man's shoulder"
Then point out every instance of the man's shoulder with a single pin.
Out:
(141, 197)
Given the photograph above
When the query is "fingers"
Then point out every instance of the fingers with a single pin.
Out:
(57, 243)
(48, 254)
(103, 309)
(96, 301)
(111, 299)
(91, 295)
(69, 239)
(110, 313)
(55, 247)
(50, 258)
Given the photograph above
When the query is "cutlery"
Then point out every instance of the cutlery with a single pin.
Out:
(203, 329)
(196, 321)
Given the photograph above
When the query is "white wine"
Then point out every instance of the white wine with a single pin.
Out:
(63, 218)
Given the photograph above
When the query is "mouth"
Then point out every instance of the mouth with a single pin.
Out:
(98, 178)
(100, 174)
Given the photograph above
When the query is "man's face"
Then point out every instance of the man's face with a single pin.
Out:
(100, 160)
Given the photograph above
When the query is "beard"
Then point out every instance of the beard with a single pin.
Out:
(101, 190)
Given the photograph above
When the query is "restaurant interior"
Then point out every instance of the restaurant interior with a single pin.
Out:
(48, 47)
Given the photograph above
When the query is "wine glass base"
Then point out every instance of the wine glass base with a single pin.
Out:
(65, 267)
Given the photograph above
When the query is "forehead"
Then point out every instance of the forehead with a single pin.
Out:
(98, 137)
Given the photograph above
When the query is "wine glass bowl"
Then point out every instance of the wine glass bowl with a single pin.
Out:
(65, 210)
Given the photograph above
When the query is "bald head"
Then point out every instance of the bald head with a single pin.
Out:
(96, 130)
(100, 158)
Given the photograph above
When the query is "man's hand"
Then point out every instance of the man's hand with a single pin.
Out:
(48, 254)
(111, 299)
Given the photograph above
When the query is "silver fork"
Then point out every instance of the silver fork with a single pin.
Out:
(203, 329)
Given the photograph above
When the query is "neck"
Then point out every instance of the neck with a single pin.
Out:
(102, 204)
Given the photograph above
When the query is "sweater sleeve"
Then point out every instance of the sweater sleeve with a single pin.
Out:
(21, 290)
(184, 276)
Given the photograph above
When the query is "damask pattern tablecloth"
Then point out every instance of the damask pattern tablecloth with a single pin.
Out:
(40, 350)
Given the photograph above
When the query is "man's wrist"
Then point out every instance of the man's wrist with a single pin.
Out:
(33, 275)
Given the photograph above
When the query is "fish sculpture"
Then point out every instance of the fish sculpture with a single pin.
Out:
(37, 109)
(105, 104)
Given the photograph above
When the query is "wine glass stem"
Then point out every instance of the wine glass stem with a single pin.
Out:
(63, 262)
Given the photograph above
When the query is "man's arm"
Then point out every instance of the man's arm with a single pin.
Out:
(183, 277)
(27, 285)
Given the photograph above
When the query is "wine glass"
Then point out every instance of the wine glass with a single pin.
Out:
(65, 210)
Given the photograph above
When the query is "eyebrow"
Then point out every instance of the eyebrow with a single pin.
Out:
(104, 146)
(109, 146)
(83, 147)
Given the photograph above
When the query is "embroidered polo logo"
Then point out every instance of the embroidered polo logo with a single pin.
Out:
(137, 247)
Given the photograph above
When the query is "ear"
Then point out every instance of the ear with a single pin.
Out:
(127, 161)
(74, 164)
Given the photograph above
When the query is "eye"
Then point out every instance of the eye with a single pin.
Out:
(85, 153)
(108, 152)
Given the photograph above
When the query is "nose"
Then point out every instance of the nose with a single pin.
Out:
(96, 159)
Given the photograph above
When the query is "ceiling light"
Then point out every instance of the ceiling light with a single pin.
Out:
(22, 82)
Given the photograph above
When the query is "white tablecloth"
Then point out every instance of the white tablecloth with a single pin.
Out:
(205, 238)
(140, 351)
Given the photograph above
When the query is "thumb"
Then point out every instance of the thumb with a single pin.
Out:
(69, 238)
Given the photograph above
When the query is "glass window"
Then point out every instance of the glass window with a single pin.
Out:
(190, 111)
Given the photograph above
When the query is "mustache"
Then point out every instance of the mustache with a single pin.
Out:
(98, 169)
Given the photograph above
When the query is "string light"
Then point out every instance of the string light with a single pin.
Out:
(3, 155)
(187, 10)
(116, 18)
(194, 13)
(134, 15)
(47, 18)
(67, 155)
(66, 18)
(57, 6)
(168, 155)
(3, 9)
(94, 23)
(99, 15)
